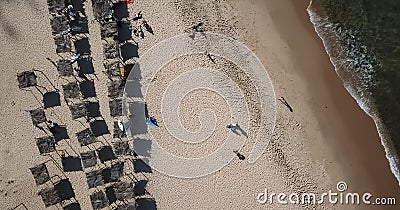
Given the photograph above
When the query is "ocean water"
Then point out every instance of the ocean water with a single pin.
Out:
(362, 38)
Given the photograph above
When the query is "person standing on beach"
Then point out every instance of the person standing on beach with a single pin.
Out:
(232, 126)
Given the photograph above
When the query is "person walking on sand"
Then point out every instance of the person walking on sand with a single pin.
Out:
(232, 126)
(138, 16)
(52, 126)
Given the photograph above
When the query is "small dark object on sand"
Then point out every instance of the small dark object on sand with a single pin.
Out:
(284, 102)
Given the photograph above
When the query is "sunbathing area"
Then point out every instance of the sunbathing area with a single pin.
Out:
(104, 157)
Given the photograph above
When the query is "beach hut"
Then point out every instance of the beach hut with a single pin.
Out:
(40, 174)
(26, 79)
(102, 9)
(49, 196)
(64, 189)
(85, 137)
(98, 200)
(117, 171)
(89, 159)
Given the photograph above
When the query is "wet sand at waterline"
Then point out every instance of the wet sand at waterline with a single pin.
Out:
(326, 139)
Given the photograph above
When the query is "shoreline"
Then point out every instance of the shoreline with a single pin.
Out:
(376, 142)
(352, 85)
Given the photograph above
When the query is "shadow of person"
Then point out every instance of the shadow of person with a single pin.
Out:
(244, 133)
(234, 130)
(148, 28)
(240, 156)
(238, 130)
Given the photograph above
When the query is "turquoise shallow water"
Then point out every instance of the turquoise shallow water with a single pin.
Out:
(365, 50)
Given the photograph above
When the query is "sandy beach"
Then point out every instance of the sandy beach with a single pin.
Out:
(326, 139)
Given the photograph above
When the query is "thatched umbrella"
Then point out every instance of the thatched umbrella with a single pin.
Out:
(89, 159)
(98, 200)
(40, 174)
(122, 148)
(118, 132)
(49, 196)
(94, 178)
(26, 79)
(63, 43)
(64, 67)
(46, 144)
(38, 116)
(59, 23)
(55, 6)
(85, 137)
(124, 190)
(112, 68)
(78, 110)
(116, 88)
(115, 107)
(110, 50)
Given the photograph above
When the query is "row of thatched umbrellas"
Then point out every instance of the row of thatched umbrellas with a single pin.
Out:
(62, 191)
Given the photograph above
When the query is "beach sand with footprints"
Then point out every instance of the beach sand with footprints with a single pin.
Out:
(324, 139)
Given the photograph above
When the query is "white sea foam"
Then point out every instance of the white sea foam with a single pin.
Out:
(338, 58)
